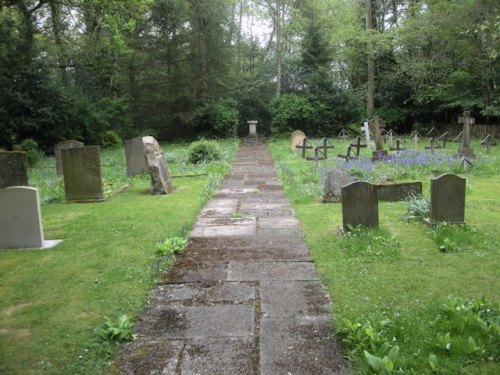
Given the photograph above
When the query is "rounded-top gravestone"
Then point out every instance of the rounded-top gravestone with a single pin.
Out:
(297, 139)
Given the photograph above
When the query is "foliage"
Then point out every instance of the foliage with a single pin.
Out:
(359, 241)
(418, 207)
(291, 112)
(31, 148)
(171, 246)
(118, 330)
(203, 151)
(110, 139)
(220, 119)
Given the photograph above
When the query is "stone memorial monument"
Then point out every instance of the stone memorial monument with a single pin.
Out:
(13, 169)
(82, 174)
(447, 199)
(157, 167)
(464, 149)
(252, 125)
(57, 152)
(359, 205)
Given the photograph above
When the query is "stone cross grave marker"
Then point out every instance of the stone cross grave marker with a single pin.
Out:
(447, 199)
(57, 152)
(335, 179)
(297, 139)
(135, 155)
(359, 205)
(20, 219)
(82, 174)
(377, 123)
(252, 125)
(157, 167)
(13, 169)
(464, 149)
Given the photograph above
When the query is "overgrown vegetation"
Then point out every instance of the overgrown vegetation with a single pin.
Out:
(407, 298)
(54, 303)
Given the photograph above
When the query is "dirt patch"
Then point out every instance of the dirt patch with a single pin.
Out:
(13, 309)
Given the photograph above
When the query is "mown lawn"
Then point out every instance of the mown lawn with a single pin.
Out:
(52, 302)
(393, 287)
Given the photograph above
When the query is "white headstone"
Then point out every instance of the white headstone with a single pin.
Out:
(366, 128)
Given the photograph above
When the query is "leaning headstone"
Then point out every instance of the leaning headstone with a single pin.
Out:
(335, 179)
(447, 199)
(359, 205)
(157, 167)
(297, 139)
(57, 152)
(82, 174)
(13, 169)
(135, 155)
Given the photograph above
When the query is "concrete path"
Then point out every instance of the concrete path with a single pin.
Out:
(244, 298)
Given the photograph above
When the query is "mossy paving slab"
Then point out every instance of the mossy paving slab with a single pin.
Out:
(258, 271)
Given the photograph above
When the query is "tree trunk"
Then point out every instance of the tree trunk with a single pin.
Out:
(370, 102)
(278, 48)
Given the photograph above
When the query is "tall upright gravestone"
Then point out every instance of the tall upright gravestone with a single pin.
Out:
(13, 169)
(82, 174)
(157, 167)
(135, 155)
(447, 199)
(359, 205)
(57, 152)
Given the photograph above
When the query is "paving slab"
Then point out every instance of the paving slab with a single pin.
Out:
(258, 271)
(189, 270)
(223, 231)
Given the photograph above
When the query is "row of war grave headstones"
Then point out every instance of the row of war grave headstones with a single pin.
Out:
(20, 217)
(360, 199)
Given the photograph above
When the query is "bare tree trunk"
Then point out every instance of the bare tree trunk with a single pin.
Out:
(370, 102)
(278, 48)
(113, 86)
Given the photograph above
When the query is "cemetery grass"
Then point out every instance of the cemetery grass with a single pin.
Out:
(53, 302)
(393, 286)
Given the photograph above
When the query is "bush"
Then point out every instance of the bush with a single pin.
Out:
(110, 139)
(204, 150)
(291, 112)
(219, 119)
(31, 148)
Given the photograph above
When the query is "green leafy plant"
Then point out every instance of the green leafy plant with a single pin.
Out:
(171, 246)
(417, 207)
(110, 139)
(117, 330)
(383, 364)
(203, 151)
(30, 146)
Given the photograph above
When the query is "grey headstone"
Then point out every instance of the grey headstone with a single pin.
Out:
(297, 139)
(447, 199)
(13, 169)
(82, 174)
(335, 179)
(135, 153)
(57, 153)
(20, 218)
(157, 167)
(360, 204)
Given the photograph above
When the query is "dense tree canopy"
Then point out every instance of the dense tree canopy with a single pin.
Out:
(178, 68)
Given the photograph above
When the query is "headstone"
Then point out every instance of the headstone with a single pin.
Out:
(366, 129)
(335, 179)
(252, 125)
(157, 167)
(464, 149)
(57, 152)
(297, 139)
(377, 124)
(13, 169)
(82, 174)
(135, 154)
(359, 205)
(447, 199)
(20, 218)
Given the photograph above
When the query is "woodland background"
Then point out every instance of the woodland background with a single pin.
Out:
(74, 69)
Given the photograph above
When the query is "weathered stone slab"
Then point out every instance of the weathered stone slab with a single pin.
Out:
(263, 206)
(289, 299)
(204, 221)
(297, 254)
(297, 139)
(135, 155)
(398, 191)
(177, 322)
(360, 205)
(82, 174)
(277, 222)
(447, 199)
(20, 218)
(149, 357)
(335, 180)
(221, 356)
(223, 231)
(185, 270)
(258, 271)
(299, 346)
(57, 153)
(157, 167)
(13, 169)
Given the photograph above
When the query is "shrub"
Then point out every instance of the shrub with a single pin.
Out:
(204, 150)
(220, 119)
(31, 148)
(291, 112)
(418, 207)
(110, 139)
